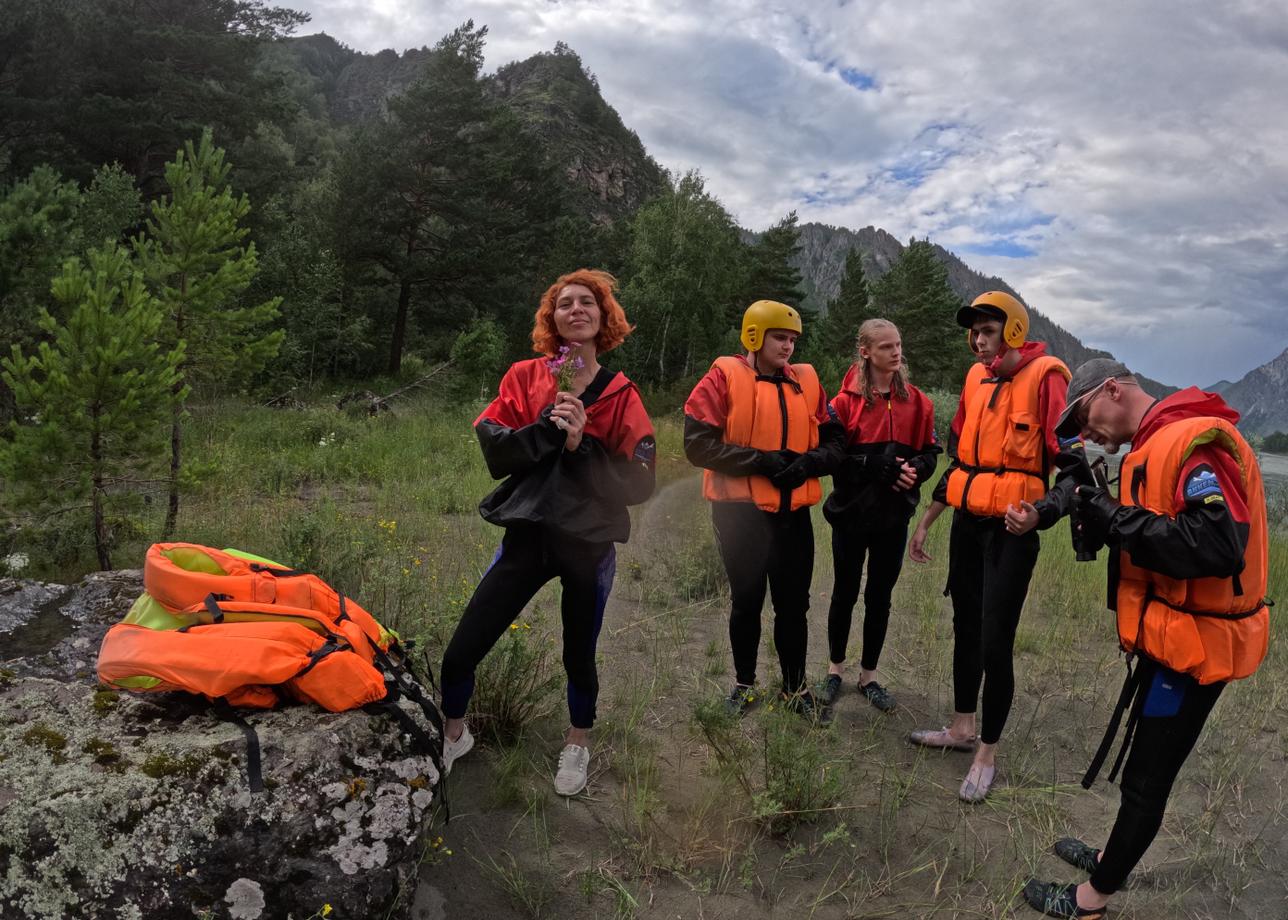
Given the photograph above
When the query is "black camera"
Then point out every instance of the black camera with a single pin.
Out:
(1072, 462)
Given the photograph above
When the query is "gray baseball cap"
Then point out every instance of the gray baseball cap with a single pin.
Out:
(1088, 378)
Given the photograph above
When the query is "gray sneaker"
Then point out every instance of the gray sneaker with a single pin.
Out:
(574, 761)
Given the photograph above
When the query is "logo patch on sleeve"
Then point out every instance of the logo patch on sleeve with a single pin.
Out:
(1203, 486)
(646, 450)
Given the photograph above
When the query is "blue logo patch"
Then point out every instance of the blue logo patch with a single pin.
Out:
(1202, 485)
(646, 450)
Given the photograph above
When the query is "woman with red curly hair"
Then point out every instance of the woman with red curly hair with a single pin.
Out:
(575, 447)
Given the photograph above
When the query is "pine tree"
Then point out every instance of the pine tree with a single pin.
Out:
(688, 276)
(915, 295)
(772, 276)
(198, 266)
(44, 220)
(95, 395)
(832, 348)
(443, 192)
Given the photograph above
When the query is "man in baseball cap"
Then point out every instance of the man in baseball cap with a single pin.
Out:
(1189, 530)
(1088, 381)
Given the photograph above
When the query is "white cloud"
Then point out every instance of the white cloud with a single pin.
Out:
(1135, 150)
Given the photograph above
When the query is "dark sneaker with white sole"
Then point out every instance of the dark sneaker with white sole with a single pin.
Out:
(1056, 900)
(877, 695)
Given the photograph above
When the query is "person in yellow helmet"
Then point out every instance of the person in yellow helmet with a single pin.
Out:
(752, 423)
(1002, 445)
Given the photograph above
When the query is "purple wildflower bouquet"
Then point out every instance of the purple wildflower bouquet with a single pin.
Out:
(564, 365)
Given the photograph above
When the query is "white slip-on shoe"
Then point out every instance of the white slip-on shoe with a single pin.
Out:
(574, 760)
(458, 748)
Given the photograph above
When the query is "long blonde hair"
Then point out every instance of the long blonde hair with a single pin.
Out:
(898, 380)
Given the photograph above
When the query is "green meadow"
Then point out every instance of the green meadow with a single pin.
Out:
(688, 812)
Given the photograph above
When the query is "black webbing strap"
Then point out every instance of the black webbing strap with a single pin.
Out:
(409, 687)
(254, 767)
(275, 572)
(996, 470)
(213, 606)
(997, 388)
(1130, 687)
(325, 649)
(420, 738)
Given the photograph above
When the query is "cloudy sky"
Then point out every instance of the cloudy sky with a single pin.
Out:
(1123, 165)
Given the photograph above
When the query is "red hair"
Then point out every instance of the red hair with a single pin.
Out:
(613, 327)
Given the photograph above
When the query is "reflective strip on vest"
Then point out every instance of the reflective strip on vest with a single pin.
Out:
(1001, 457)
(1203, 627)
(757, 411)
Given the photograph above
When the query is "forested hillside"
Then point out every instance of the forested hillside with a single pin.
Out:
(257, 212)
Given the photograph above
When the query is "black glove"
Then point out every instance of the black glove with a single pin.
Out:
(884, 468)
(794, 475)
(772, 462)
(1097, 510)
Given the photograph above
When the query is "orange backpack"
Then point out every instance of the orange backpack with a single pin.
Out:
(246, 631)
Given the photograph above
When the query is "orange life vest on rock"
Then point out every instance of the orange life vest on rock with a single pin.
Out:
(1000, 454)
(1213, 629)
(228, 624)
(767, 415)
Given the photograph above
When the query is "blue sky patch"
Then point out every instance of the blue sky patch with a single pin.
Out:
(858, 79)
(1007, 248)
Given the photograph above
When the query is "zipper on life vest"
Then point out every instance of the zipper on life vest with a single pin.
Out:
(785, 502)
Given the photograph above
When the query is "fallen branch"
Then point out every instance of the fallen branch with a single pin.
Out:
(375, 404)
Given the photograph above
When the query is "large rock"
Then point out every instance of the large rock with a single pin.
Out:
(121, 806)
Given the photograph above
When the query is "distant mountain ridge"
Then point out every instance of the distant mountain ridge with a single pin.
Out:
(559, 103)
(1259, 397)
(610, 174)
(821, 262)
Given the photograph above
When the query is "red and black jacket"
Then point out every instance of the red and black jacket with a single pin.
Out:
(879, 435)
(581, 493)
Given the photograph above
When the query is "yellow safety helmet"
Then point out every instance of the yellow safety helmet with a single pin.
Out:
(1002, 306)
(764, 315)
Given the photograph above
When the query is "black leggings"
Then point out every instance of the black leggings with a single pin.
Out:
(884, 551)
(757, 546)
(988, 577)
(528, 558)
(1159, 747)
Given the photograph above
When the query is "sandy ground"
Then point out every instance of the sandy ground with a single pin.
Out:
(658, 834)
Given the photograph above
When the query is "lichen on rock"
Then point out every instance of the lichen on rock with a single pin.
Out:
(132, 806)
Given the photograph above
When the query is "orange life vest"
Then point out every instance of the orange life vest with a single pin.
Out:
(767, 416)
(230, 625)
(1000, 454)
(245, 631)
(1213, 629)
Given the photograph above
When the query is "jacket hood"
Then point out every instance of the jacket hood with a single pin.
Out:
(1188, 403)
(1029, 352)
(851, 382)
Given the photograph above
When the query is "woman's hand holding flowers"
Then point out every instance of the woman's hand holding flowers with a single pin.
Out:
(570, 415)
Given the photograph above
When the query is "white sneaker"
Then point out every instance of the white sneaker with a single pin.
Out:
(458, 748)
(573, 763)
